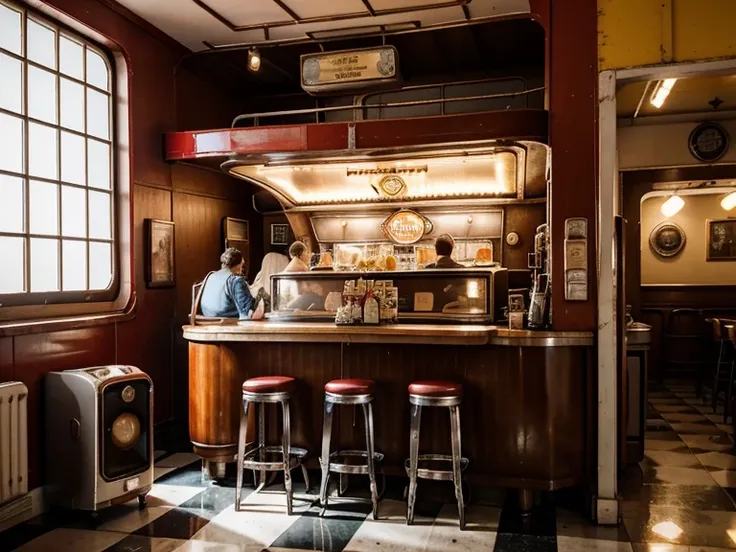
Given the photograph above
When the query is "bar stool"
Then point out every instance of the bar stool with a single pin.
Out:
(349, 391)
(444, 394)
(269, 389)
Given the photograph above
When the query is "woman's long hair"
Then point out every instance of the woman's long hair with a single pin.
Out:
(273, 263)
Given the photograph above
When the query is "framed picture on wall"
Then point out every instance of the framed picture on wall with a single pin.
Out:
(279, 234)
(721, 240)
(236, 233)
(236, 230)
(160, 262)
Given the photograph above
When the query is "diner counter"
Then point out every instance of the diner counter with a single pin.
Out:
(445, 334)
(527, 413)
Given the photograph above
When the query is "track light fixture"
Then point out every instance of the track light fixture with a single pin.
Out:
(254, 60)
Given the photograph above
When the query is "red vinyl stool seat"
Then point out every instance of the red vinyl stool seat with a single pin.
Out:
(350, 387)
(268, 384)
(436, 388)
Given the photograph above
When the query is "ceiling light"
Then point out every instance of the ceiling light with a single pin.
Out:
(254, 60)
(729, 202)
(672, 205)
(661, 91)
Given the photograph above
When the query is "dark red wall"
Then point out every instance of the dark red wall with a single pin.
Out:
(572, 81)
(195, 199)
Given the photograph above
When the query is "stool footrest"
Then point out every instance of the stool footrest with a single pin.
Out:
(433, 473)
(296, 457)
(349, 468)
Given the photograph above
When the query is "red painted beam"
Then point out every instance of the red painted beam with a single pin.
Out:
(522, 124)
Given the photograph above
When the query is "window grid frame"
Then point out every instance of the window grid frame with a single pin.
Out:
(61, 296)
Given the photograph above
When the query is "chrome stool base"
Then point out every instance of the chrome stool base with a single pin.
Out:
(458, 462)
(432, 473)
(344, 468)
(290, 457)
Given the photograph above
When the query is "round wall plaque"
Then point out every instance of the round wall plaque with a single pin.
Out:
(708, 142)
(667, 239)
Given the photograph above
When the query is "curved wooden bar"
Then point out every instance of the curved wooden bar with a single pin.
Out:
(526, 417)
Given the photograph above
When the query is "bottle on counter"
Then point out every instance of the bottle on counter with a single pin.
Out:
(371, 307)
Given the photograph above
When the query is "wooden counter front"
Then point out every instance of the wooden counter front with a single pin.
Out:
(526, 417)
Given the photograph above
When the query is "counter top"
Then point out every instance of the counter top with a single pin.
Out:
(437, 334)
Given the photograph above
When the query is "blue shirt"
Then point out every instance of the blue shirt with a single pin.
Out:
(226, 295)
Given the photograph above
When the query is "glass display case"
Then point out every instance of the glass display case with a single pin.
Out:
(470, 296)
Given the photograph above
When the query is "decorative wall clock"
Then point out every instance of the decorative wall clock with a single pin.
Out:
(667, 239)
(708, 142)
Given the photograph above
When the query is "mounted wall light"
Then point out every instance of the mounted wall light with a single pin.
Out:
(661, 91)
(254, 60)
(672, 205)
(729, 202)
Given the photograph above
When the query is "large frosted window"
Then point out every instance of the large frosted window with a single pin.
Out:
(57, 211)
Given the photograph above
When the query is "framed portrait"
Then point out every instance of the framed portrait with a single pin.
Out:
(160, 263)
(721, 240)
(279, 234)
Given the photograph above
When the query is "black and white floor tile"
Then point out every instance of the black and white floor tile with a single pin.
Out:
(681, 498)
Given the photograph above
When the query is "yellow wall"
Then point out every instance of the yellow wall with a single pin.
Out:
(648, 32)
(690, 266)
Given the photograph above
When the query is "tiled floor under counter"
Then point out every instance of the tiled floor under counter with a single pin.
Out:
(681, 498)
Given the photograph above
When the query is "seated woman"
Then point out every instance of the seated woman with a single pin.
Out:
(225, 293)
(273, 263)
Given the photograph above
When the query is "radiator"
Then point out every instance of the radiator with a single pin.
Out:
(13, 440)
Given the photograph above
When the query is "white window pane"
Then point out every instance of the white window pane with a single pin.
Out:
(12, 260)
(72, 105)
(97, 72)
(98, 165)
(42, 151)
(41, 44)
(10, 23)
(72, 158)
(74, 265)
(11, 75)
(100, 265)
(11, 143)
(71, 58)
(44, 265)
(44, 207)
(99, 215)
(98, 114)
(12, 190)
(41, 94)
(73, 212)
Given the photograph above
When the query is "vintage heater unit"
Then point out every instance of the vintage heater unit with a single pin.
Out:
(99, 437)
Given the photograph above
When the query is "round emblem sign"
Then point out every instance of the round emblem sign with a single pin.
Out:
(708, 142)
(667, 239)
(405, 227)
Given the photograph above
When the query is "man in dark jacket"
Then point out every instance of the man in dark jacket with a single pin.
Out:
(443, 246)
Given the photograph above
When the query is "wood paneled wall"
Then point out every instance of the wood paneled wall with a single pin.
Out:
(195, 199)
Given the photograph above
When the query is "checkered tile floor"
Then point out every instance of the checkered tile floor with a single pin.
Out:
(678, 500)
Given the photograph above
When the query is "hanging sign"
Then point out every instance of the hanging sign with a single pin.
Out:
(405, 227)
(349, 69)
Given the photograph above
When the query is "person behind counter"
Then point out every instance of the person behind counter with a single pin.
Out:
(299, 254)
(443, 246)
(225, 293)
(273, 263)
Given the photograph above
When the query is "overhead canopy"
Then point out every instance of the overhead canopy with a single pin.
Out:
(398, 177)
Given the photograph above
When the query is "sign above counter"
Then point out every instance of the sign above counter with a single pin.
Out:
(349, 69)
